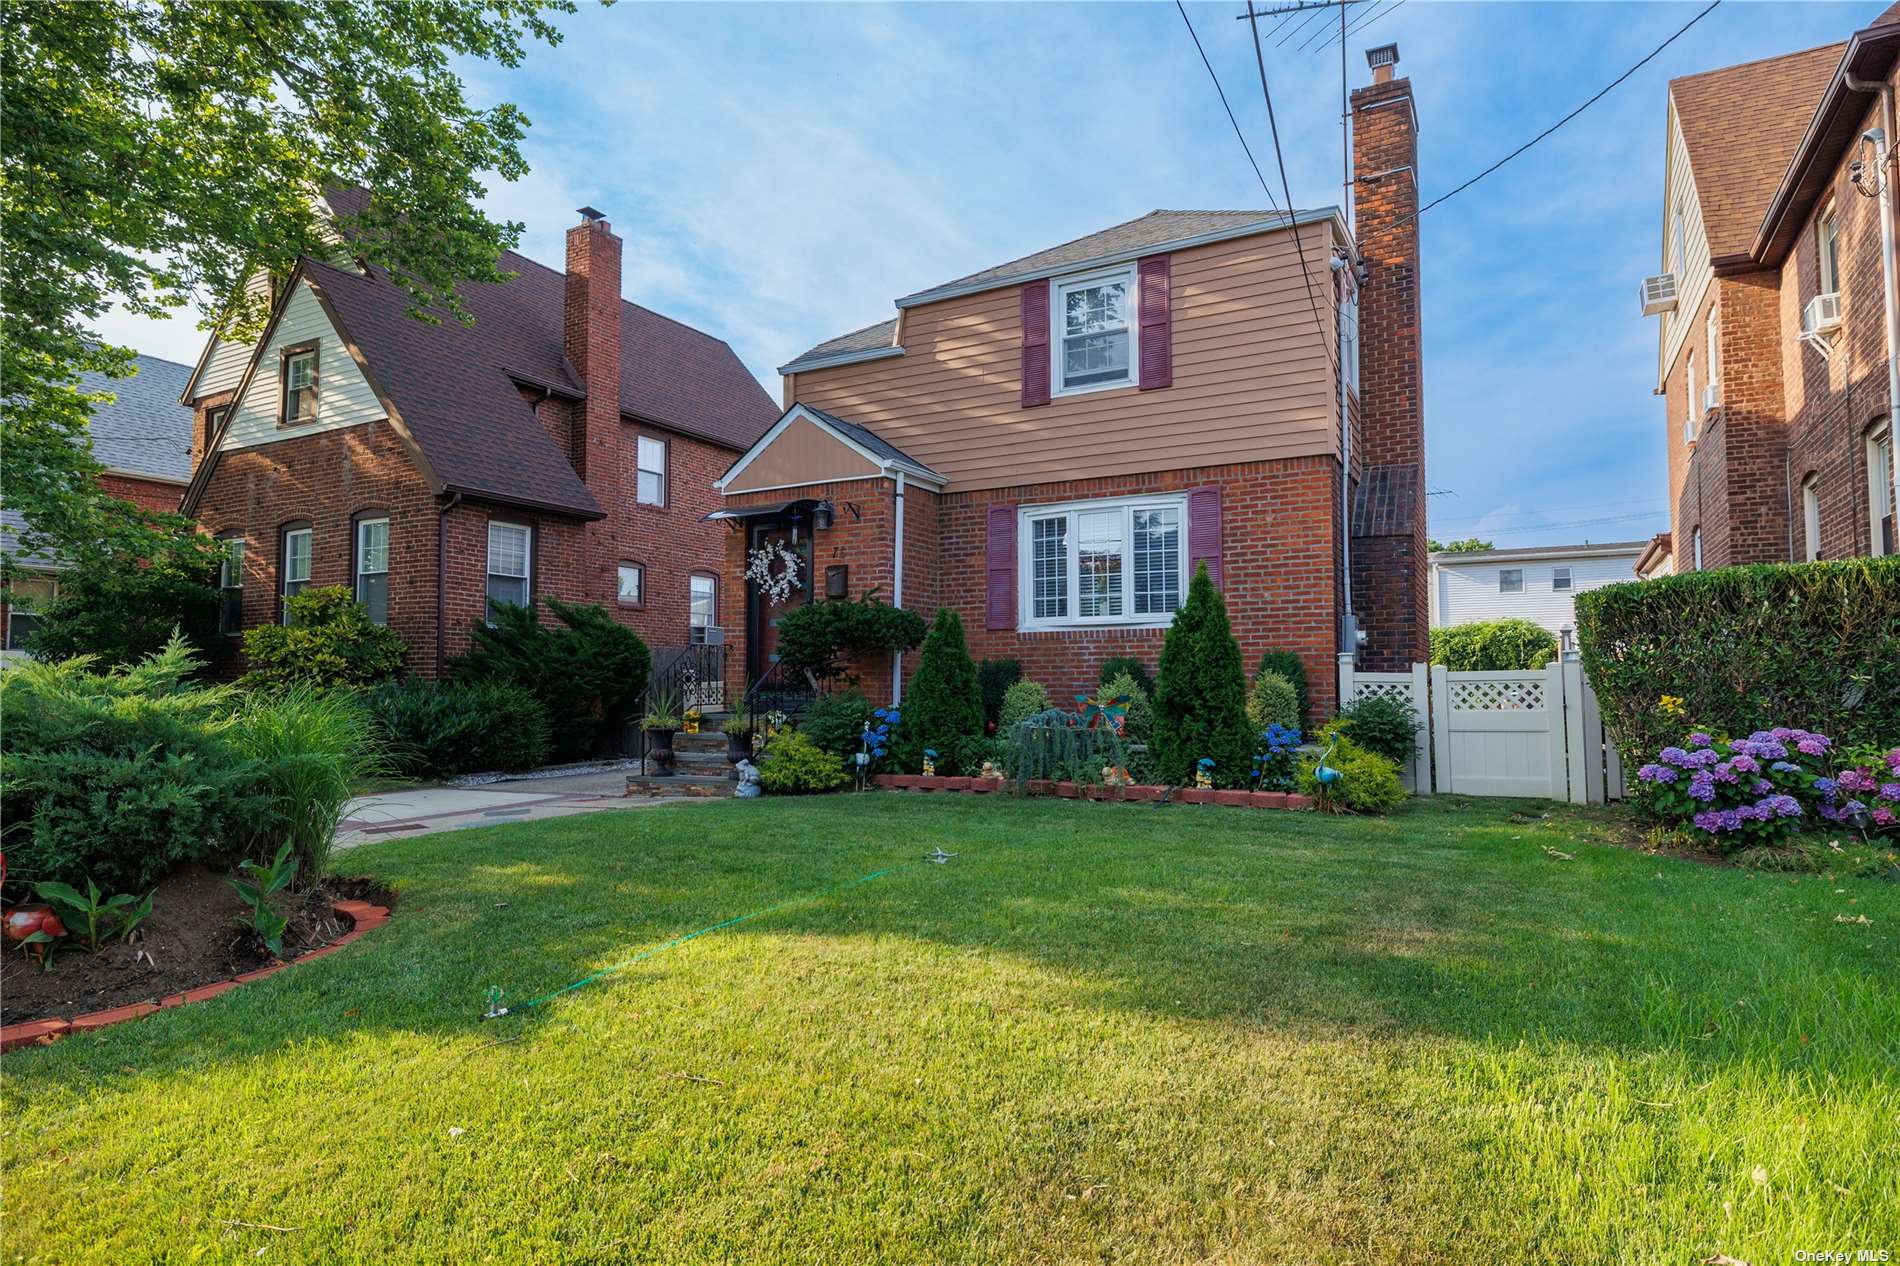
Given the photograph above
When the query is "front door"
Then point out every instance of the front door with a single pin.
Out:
(762, 608)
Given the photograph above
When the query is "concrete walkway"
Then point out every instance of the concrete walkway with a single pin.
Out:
(427, 810)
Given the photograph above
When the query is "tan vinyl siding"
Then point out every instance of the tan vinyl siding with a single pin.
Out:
(344, 398)
(1252, 379)
(802, 453)
(1693, 275)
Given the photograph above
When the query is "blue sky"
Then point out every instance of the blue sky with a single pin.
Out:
(781, 172)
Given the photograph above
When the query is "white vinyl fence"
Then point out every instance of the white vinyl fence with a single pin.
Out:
(1533, 733)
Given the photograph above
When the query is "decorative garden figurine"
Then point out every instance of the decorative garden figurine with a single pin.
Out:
(930, 762)
(990, 770)
(749, 787)
(1325, 774)
(690, 722)
(1115, 776)
(1204, 773)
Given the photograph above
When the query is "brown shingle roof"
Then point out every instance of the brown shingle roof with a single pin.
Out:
(1741, 125)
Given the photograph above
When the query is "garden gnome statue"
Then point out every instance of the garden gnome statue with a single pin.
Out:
(748, 780)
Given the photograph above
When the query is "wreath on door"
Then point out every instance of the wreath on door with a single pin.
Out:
(774, 569)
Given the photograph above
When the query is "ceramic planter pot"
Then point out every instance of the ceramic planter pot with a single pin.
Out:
(660, 750)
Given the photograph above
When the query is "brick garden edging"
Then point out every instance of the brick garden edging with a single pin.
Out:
(364, 916)
(1099, 791)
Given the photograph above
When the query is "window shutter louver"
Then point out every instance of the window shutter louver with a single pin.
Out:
(1157, 325)
(1000, 572)
(1204, 531)
(1035, 310)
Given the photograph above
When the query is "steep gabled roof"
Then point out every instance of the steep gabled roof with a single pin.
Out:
(1741, 125)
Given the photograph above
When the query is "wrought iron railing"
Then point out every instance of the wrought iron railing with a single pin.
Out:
(694, 675)
(777, 689)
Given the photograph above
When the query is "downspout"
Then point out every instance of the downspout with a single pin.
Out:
(1880, 137)
(441, 581)
(1349, 624)
(897, 592)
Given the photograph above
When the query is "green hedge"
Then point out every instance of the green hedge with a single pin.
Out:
(1814, 645)
(1493, 646)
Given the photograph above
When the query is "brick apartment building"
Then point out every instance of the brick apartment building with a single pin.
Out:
(143, 439)
(564, 445)
(1052, 445)
(1775, 353)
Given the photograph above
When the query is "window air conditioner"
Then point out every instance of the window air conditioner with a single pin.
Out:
(1659, 294)
(1822, 315)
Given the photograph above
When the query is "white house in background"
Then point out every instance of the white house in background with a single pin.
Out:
(1538, 583)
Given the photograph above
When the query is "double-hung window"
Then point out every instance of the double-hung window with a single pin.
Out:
(372, 568)
(231, 586)
(299, 385)
(1103, 562)
(1712, 359)
(296, 568)
(1095, 344)
(651, 478)
(631, 584)
(510, 549)
(27, 596)
(702, 606)
(1881, 518)
(1560, 578)
(1827, 243)
(1811, 518)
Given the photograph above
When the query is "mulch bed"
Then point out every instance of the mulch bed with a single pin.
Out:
(191, 939)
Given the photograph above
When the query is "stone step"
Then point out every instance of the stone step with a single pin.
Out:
(677, 785)
(704, 741)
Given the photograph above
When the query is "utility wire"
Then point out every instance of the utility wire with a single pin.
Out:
(1398, 224)
(1360, 23)
(1260, 61)
(1238, 134)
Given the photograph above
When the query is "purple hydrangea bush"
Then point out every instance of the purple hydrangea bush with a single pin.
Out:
(1863, 791)
(1740, 792)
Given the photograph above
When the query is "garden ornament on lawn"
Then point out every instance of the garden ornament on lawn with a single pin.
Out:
(1324, 773)
(1204, 773)
(749, 788)
(930, 762)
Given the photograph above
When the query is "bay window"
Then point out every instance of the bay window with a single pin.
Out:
(510, 549)
(1095, 346)
(1103, 562)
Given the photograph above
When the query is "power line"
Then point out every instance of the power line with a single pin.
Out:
(1574, 523)
(1653, 53)
(1360, 23)
(1286, 188)
(1519, 514)
(1238, 134)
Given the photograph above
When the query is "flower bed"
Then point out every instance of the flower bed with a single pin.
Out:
(1137, 792)
(364, 917)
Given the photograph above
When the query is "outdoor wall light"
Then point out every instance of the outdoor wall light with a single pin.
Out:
(821, 517)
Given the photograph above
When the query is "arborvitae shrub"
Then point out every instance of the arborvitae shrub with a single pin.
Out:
(1291, 667)
(942, 707)
(1201, 693)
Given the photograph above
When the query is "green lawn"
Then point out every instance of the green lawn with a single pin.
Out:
(1102, 1033)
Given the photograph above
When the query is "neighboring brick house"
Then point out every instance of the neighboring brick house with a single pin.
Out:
(1774, 351)
(1052, 445)
(143, 439)
(563, 445)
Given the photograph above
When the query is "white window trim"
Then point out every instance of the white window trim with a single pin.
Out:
(1690, 428)
(666, 459)
(1511, 571)
(1025, 570)
(359, 570)
(1568, 577)
(1058, 329)
(1811, 518)
(14, 610)
(640, 582)
(1828, 219)
(1879, 485)
(1712, 357)
(527, 563)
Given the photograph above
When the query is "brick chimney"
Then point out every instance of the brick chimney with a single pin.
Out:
(1389, 565)
(590, 335)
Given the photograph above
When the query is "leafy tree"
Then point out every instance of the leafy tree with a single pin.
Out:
(1470, 545)
(121, 608)
(943, 706)
(589, 675)
(1201, 693)
(329, 641)
(159, 152)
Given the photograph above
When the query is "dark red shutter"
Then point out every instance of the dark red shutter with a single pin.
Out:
(1157, 326)
(1035, 344)
(1000, 573)
(1204, 531)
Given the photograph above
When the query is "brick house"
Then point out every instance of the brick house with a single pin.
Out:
(563, 445)
(1775, 352)
(142, 437)
(1052, 445)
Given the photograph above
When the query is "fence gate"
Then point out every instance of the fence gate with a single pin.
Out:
(1535, 733)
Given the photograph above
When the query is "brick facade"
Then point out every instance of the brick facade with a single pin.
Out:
(438, 544)
(1787, 416)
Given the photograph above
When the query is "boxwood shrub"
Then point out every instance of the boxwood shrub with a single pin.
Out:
(1815, 645)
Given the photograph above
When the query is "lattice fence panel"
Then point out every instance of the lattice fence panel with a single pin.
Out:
(1497, 696)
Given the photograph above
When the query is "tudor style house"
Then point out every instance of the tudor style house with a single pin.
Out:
(564, 445)
(1776, 349)
(1052, 445)
(142, 436)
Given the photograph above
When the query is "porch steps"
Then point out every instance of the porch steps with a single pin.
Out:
(701, 785)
